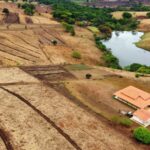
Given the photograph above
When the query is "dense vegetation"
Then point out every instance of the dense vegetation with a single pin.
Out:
(73, 13)
(135, 67)
(70, 13)
(28, 8)
(134, 7)
(110, 60)
(142, 134)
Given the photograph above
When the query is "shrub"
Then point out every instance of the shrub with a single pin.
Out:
(76, 54)
(142, 134)
(69, 28)
(126, 15)
(28, 11)
(144, 69)
(88, 76)
(54, 42)
(6, 11)
(148, 14)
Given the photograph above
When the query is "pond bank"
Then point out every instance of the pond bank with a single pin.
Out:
(144, 42)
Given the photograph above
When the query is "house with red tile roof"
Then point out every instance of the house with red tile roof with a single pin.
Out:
(139, 100)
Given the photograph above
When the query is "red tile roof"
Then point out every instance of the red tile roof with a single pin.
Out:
(142, 114)
(134, 96)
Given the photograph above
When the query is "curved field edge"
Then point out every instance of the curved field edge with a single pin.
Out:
(144, 42)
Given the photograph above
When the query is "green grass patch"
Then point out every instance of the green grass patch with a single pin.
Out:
(122, 121)
(78, 67)
(93, 29)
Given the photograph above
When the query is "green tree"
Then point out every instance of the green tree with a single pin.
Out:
(105, 30)
(6, 11)
(142, 134)
(134, 67)
(127, 15)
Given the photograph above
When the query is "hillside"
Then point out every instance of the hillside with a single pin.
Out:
(46, 100)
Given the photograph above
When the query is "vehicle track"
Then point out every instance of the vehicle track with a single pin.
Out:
(60, 131)
(6, 140)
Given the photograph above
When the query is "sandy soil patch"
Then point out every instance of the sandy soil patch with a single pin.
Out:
(13, 75)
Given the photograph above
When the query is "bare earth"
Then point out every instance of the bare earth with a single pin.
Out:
(28, 129)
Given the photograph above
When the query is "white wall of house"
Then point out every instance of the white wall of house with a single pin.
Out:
(140, 121)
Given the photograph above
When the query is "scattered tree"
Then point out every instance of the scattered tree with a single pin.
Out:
(76, 54)
(148, 14)
(6, 11)
(142, 134)
(127, 15)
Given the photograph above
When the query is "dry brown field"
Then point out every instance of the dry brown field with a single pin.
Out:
(45, 105)
(34, 115)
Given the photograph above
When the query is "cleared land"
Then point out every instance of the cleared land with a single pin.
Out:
(37, 112)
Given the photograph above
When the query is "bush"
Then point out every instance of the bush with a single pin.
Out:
(126, 15)
(88, 76)
(6, 11)
(76, 54)
(142, 134)
(28, 9)
(69, 28)
(144, 69)
(148, 14)
(54, 42)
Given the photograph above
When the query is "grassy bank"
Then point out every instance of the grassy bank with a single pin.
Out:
(144, 42)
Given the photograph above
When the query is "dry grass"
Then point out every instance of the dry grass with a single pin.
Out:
(144, 42)
(118, 14)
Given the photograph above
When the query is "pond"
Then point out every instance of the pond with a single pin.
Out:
(122, 45)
